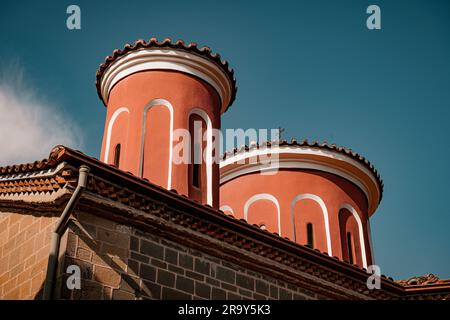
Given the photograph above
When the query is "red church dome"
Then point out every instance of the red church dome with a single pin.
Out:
(315, 194)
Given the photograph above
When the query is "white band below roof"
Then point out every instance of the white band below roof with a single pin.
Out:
(297, 150)
(306, 163)
(167, 59)
(32, 174)
(293, 164)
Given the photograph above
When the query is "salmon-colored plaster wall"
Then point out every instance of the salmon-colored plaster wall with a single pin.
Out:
(184, 93)
(156, 145)
(309, 211)
(285, 186)
(348, 224)
(263, 213)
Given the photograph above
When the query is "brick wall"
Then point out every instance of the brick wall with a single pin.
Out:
(120, 262)
(24, 247)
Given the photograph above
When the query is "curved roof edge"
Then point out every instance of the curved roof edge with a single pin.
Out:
(179, 45)
(231, 162)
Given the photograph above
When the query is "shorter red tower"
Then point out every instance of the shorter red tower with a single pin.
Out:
(151, 91)
(315, 194)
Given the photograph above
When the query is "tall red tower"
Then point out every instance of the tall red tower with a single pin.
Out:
(153, 88)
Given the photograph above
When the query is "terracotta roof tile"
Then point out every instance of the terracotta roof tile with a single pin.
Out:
(429, 279)
(27, 167)
(43, 164)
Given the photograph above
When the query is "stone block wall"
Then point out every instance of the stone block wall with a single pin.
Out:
(121, 262)
(24, 248)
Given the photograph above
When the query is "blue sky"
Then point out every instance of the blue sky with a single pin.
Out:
(311, 67)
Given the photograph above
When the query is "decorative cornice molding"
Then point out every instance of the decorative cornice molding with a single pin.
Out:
(305, 156)
(37, 186)
(165, 55)
(48, 172)
(429, 279)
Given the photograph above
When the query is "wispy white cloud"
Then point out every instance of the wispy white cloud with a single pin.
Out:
(29, 124)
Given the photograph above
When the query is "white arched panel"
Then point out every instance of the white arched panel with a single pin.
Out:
(226, 208)
(360, 231)
(168, 105)
(109, 131)
(263, 196)
(322, 205)
(209, 157)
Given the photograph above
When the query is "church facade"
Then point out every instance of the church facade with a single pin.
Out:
(149, 220)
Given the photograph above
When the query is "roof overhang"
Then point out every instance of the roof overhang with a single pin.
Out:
(190, 60)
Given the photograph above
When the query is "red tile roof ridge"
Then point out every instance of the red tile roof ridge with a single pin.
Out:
(26, 167)
(428, 279)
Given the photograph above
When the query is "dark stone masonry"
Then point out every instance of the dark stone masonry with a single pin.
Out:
(121, 262)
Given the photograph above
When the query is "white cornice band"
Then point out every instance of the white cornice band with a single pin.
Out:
(168, 59)
(293, 164)
(33, 174)
(294, 161)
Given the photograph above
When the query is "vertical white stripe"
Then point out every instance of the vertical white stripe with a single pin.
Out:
(109, 131)
(369, 235)
(360, 229)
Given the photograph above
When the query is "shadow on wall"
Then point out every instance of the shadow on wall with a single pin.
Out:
(119, 261)
(102, 256)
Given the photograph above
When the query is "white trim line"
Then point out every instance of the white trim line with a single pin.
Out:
(324, 209)
(369, 235)
(360, 229)
(306, 164)
(298, 150)
(168, 105)
(263, 196)
(290, 164)
(167, 59)
(226, 208)
(33, 174)
(110, 126)
(209, 158)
